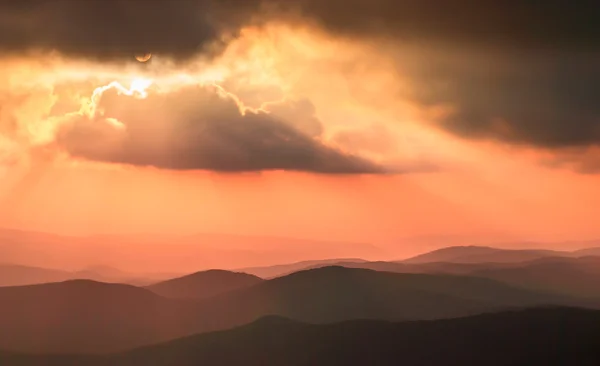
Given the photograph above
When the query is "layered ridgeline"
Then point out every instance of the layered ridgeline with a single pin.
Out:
(456, 260)
(544, 336)
(21, 275)
(477, 254)
(204, 284)
(559, 275)
(86, 316)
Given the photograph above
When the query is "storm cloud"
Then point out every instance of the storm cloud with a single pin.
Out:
(519, 71)
(108, 30)
(198, 128)
(119, 28)
(550, 102)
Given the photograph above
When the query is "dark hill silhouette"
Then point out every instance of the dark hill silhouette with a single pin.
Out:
(288, 268)
(475, 254)
(444, 261)
(98, 317)
(550, 336)
(336, 293)
(429, 268)
(578, 277)
(569, 276)
(87, 316)
(204, 284)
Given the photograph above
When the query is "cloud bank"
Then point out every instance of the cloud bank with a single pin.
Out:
(521, 72)
(199, 128)
(119, 28)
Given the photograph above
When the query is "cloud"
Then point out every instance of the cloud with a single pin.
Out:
(511, 24)
(119, 28)
(548, 102)
(301, 114)
(115, 29)
(199, 128)
(518, 71)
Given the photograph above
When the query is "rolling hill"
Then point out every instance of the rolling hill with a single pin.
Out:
(568, 276)
(99, 317)
(286, 269)
(332, 294)
(577, 277)
(548, 336)
(204, 284)
(87, 316)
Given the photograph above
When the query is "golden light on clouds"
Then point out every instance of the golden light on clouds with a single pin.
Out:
(343, 97)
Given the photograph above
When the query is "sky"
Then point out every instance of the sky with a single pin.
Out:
(347, 120)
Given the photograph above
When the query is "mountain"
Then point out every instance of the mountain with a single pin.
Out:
(475, 254)
(576, 277)
(285, 269)
(87, 316)
(204, 284)
(17, 275)
(99, 317)
(568, 276)
(397, 267)
(336, 293)
(587, 252)
(546, 336)
(20, 275)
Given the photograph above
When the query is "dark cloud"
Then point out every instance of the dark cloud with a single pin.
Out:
(119, 28)
(521, 71)
(522, 99)
(112, 29)
(511, 23)
(196, 128)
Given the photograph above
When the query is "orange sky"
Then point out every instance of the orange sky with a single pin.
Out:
(449, 185)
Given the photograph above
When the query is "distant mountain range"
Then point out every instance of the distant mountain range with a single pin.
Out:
(93, 311)
(476, 254)
(560, 275)
(545, 336)
(20, 275)
(456, 260)
(17, 275)
(171, 253)
(97, 317)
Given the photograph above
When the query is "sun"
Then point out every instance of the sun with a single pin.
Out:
(145, 57)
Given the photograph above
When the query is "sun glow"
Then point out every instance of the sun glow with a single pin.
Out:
(140, 86)
(137, 88)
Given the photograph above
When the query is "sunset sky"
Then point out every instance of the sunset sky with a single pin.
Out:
(341, 120)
